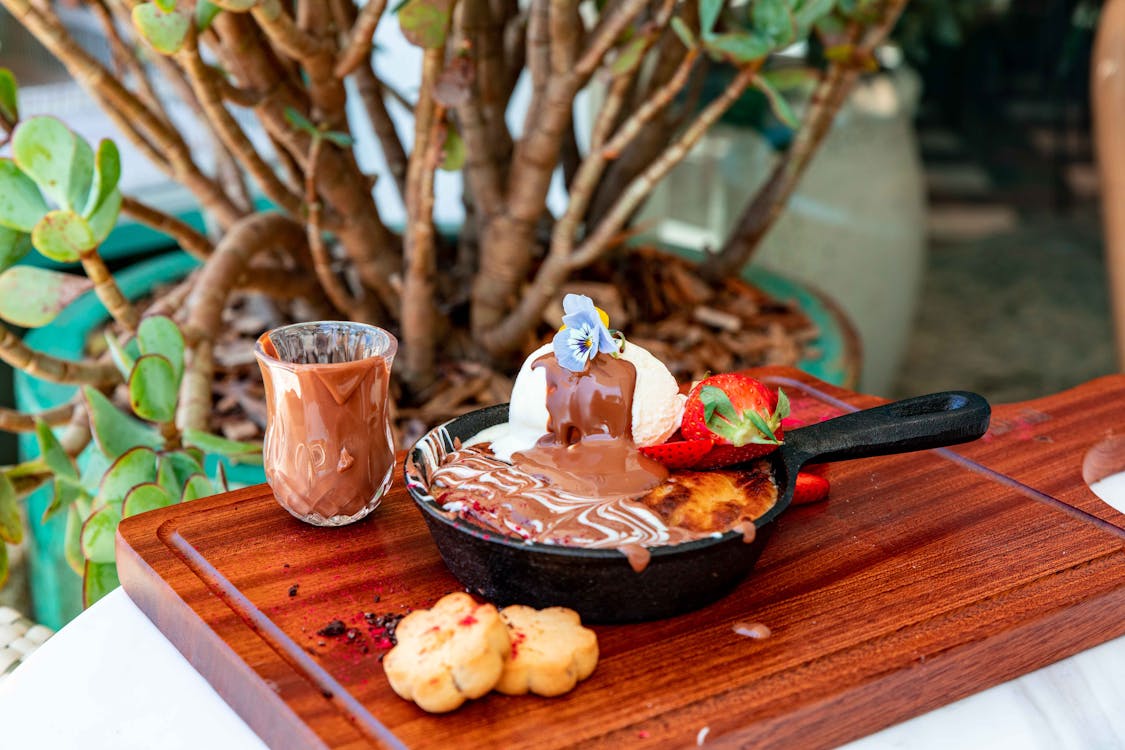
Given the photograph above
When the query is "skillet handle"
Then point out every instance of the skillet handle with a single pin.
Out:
(913, 424)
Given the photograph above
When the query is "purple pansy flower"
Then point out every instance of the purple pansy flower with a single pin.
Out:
(584, 337)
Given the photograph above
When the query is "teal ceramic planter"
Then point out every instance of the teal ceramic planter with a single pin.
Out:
(56, 590)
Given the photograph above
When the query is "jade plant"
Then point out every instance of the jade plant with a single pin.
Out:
(61, 201)
(269, 82)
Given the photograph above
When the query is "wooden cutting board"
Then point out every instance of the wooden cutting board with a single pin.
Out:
(924, 578)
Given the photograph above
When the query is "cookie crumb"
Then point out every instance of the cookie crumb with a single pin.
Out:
(293, 589)
(332, 629)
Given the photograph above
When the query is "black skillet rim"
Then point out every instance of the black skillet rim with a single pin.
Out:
(430, 506)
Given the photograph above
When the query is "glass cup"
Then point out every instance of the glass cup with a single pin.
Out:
(329, 452)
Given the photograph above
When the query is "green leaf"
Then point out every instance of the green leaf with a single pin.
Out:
(739, 48)
(164, 30)
(72, 541)
(152, 389)
(63, 495)
(97, 464)
(103, 220)
(810, 12)
(136, 466)
(166, 5)
(234, 449)
(98, 579)
(683, 32)
(792, 79)
(716, 399)
(452, 151)
(629, 57)
(174, 469)
(196, 487)
(782, 410)
(60, 163)
(159, 335)
(343, 140)
(107, 173)
(762, 426)
(237, 6)
(11, 524)
(21, 203)
(114, 431)
(205, 12)
(778, 103)
(121, 359)
(425, 23)
(299, 121)
(14, 246)
(32, 297)
(774, 19)
(63, 236)
(52, 452)
(145, 497)
(3, 564)
(98, 534)
(9, 96)
(709, 12)
(221, 477)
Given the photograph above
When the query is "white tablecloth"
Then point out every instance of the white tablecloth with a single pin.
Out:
(111, 681)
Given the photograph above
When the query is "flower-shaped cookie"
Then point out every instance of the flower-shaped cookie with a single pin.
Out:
(449, 653)
(551, 651)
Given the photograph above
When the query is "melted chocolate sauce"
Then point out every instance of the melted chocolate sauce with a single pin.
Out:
(588, 449)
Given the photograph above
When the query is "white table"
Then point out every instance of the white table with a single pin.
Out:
(111, 681)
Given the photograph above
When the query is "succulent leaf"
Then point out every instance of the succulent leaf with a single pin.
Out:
(196, 487)
(103, 220)
(121, 358)
(98, 534)
(14, 246)
(9, 96)
(739, 47)
(629, 56)
(21, 203)
(115, 432)
(32, 297)
(63, 495)
(774, 19)
(159, 335)
(164, 30)
(72, 541)
(174, 469)
(425, 23)
(60, 163)
(452, 151)
(11, 524)
(778, 103)
(236, 6)
(52, 452)
(3, 564)
(145, 497)
(236, 450)
(98, 579)
(107, 173)
(152, 388)
(684, 32)
(709, 12)
(63, 236)
(136, 466)
(205, 12)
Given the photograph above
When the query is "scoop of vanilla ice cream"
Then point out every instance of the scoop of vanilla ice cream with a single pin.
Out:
(658, 405)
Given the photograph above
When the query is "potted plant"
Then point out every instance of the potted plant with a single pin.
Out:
(466, 308)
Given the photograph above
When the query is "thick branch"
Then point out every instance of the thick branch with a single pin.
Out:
(105, 286)
(358, 48)
(45, 367)
(322, 263)
(418, 310)
(16, 421)
(254, 234)
(194, 242)
(555, 269)
(769, 202)
(371, 94)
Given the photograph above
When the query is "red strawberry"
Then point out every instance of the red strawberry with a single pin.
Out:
(810, 488)
(725, 455)
(679, 454)
(735, 411)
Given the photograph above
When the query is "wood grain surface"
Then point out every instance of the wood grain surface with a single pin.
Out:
(923, 579)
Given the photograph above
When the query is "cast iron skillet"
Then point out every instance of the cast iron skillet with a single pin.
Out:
(599, 583)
